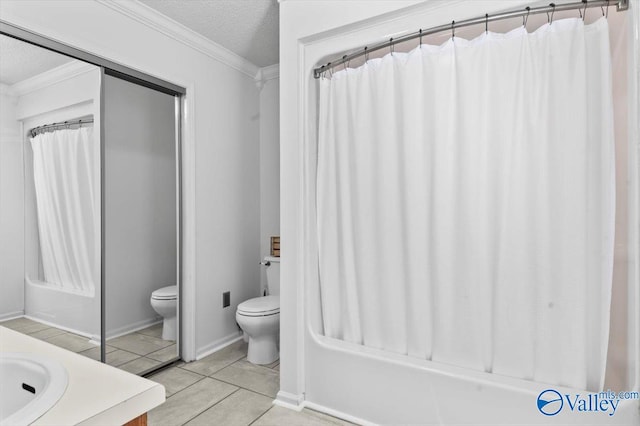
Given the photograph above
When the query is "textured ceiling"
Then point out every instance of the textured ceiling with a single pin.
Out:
(20, 60)
(248, 28)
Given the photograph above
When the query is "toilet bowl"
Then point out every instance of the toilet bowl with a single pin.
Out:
(164, 302)
(259, 318)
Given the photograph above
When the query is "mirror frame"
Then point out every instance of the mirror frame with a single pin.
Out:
(111, 68)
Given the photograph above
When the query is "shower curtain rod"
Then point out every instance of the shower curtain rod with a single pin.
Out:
(621, 5)
(52, 126)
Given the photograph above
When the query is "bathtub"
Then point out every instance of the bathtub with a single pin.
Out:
(376, 387)
(31, 385)
(72, 312)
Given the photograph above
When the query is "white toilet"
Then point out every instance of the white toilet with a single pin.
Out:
(259, 318)
(164, 302)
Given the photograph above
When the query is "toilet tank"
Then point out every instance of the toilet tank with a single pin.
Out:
(273, 275)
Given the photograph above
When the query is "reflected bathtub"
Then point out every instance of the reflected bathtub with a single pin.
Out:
(76, 313)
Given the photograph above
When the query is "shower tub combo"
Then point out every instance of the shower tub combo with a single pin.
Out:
(372, 386)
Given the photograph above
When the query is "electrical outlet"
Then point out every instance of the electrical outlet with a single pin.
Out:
(226, 299)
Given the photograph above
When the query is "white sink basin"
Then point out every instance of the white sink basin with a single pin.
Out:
(30, 384)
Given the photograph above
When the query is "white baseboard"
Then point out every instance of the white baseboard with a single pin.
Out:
(95, 339)
(11, 315)
(336, 413)
(297, 403)
(218, 344)
(289, 400)
(131, 328)
(69, 329)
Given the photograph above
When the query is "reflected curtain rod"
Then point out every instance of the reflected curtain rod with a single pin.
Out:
(621, 5)
(50, 127)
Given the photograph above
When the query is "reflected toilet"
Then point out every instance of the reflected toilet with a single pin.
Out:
(164, 302)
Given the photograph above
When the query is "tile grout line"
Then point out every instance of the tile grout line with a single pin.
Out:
(233, 384)
(215, 372)
(261, 415)
(175, 393)
(211, 406)
(255, 365)
(161, 349)
(258, 366)
(126, 362)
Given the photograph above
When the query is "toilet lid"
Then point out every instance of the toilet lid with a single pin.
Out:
(266, 305)
(165, 293)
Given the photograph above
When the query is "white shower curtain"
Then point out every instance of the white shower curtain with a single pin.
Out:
(64, 169)
(465, 203)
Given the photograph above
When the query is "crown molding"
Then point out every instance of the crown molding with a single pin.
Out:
(53, 76)
(265, 74)
(6, 90)
(271, 72)
(167, 26)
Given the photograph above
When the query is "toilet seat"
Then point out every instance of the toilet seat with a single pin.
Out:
(165, 293)
(260, 306)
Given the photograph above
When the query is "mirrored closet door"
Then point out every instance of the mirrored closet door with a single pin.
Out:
(50, 196)
(89, 204)
(140, 225)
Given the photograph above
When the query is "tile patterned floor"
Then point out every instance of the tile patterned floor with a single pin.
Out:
(135, 352)
(225, 389)
(220, 389)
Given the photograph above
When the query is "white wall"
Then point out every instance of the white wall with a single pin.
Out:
(11, 209)
(139, 202)
(221, 129)
(269, 168)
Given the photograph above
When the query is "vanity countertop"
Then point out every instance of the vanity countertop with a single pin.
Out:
(97, 394)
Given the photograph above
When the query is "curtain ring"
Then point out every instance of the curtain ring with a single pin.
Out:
(584, 13)
(420, 37)
(391, 46)
(486, 23)
(607, 14)
(525, 18)
(344, 63)
(553, 5)
(453, 29)
(327, 67)
(366, 55)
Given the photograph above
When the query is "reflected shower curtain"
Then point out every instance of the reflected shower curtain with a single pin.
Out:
(465, 203)
(64, 168)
